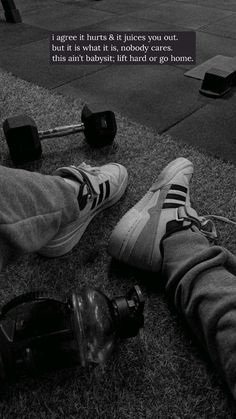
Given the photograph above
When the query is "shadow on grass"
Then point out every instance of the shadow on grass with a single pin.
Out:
(150, 282)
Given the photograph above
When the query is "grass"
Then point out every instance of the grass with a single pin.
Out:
(163, 373)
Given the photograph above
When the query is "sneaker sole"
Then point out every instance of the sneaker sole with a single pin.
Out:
(71, 235)
(129, 228)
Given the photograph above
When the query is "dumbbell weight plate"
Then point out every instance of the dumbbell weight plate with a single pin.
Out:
(100, 128)
(18, 128)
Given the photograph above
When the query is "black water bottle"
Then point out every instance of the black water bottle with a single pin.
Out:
(41, 332)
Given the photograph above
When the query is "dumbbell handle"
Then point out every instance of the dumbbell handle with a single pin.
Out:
(59, 131)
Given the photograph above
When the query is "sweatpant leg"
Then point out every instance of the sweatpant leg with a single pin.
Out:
(32, 209)
(201, 280)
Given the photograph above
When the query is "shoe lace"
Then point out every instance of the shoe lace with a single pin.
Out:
(208, 227)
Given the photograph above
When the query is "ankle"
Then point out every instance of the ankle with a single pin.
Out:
(75, 185)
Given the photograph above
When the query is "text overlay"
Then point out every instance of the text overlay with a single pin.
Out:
(123, 48)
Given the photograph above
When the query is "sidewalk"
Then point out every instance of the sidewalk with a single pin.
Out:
(160, 97)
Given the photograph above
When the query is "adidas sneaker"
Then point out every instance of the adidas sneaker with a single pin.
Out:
(136, 238)
(99, 188)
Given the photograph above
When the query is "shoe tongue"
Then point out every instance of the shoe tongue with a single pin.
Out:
(82, 176)
(91, 181)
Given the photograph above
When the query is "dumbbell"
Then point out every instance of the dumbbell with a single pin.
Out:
(12, 14)
(218, 82)
(24, 139)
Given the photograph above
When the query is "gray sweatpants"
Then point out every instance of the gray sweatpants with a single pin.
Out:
(33, 208)
(200, 278)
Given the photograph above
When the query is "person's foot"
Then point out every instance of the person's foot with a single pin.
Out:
(98, 188)
(165, 208)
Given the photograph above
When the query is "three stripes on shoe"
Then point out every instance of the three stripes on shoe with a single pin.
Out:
(176, 197)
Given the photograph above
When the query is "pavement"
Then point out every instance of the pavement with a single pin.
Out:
(160, 97)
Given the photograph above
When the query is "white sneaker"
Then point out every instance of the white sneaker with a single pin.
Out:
(166, 206)
(99, 188)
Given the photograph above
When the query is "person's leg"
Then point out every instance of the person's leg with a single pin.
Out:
(161, 233)
(50, 213)
(32, 209)
(201, 280)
